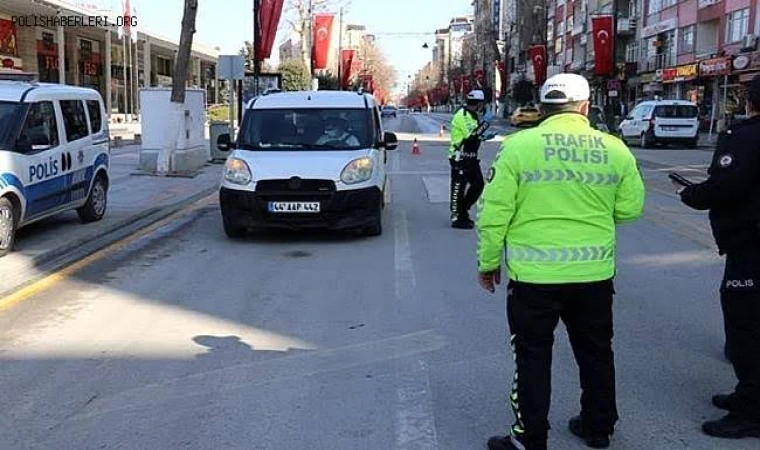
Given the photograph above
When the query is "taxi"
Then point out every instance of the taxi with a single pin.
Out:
(54, 153)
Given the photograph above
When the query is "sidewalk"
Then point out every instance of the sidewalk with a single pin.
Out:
(134, 201)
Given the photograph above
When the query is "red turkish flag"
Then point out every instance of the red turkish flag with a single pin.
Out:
(347, 59)
(269, 18)
(322, 35)
(537, 54)
(601, 27)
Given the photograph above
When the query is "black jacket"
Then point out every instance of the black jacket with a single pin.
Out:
(732, 191)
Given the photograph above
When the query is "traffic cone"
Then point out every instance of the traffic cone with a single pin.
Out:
(415, 147)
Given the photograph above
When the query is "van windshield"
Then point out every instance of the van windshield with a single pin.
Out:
(8, 111)
(306, 129)
(676, 111)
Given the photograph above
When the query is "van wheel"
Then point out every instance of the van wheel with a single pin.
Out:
(7, 226)
(646, 140)
(693, 143)
(376, 229)
(97, 202)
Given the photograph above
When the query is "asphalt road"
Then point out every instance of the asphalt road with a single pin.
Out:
(187, 340)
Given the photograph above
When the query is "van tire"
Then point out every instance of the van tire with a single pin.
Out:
(7, 207)
(694, 143)
(97, 201)
(376, 229)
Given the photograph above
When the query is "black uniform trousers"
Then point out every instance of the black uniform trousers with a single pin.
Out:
(533, 311)
(740, 301)
(466, 186)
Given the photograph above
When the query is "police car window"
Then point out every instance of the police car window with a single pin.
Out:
(93, 108)
(378, 127)
(40, 130)
(676, 111)
(74, 119)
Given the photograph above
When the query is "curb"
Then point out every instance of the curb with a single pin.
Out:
(67, 254)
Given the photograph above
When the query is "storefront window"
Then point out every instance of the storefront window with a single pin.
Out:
(737, 25)
(47, 57)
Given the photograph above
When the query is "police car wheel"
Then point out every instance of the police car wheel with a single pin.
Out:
(95, 208)
(7, 226)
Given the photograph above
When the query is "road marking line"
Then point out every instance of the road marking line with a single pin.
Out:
(404, 268)
(415, 420)
(51, 280)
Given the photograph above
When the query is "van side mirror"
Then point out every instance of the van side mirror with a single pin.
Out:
(223, 142)
(390, 141)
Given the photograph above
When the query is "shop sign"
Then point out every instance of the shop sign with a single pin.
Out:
(715, 67)
(680, 73)
(648, 78)
(659, 27)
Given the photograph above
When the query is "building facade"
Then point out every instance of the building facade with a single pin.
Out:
(95, 56)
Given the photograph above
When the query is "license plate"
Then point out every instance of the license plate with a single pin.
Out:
(294, 207)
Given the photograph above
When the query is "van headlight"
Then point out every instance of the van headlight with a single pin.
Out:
(236, 171)
(357, 171)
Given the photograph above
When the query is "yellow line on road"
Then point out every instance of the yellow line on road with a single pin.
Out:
(51, 280)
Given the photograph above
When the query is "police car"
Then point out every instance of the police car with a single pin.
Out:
(54, 153)
(308, 159)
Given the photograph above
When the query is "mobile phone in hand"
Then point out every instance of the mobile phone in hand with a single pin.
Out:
(679, 179)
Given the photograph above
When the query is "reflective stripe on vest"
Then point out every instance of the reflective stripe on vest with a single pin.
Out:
(595, 178)
(533, 254)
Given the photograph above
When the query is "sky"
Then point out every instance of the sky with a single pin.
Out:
(228, 23)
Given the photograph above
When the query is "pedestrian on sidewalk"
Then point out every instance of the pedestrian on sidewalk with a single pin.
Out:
(732, 195)
(466, 175)
(554, 196)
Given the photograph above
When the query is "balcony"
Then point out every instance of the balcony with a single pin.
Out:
(707, 3)
(706, 52)
(626, 26)
(657, 62)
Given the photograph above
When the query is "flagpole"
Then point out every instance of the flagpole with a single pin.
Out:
(131, 76)
(340, 51)
(124, 66)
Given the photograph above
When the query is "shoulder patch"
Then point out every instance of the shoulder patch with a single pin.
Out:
(726, 160)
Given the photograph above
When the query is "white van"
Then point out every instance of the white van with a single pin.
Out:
(54, 154)
(308, 159)
(662, 122)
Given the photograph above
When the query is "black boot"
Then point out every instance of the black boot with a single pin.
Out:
(462, 223)
(732, 426)
(512, 443)
(723, 401)
(593, 441)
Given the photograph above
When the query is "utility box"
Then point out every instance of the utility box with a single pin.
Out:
(173, 135)
(217, 128)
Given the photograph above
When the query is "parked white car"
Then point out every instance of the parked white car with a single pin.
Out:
(309, 159)
(662, 122)
(54, 154)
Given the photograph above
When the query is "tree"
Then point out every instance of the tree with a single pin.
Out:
(247, 53)
(328, 82)
(376, 64)
(183, 54)
(297, 16)
(295, 75)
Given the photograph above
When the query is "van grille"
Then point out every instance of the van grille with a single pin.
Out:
(295, 185)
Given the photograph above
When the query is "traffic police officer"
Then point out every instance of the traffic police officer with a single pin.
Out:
(732, 195)
(466, 176)
(554, 195)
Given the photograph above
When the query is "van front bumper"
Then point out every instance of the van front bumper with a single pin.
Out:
(339, 210)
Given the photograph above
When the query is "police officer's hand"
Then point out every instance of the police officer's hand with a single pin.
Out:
(678, 187)
(489, 280)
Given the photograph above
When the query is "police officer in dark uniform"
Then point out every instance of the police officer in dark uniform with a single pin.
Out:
(732, 195)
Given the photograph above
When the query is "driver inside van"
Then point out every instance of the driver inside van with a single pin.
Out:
(336, 134)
